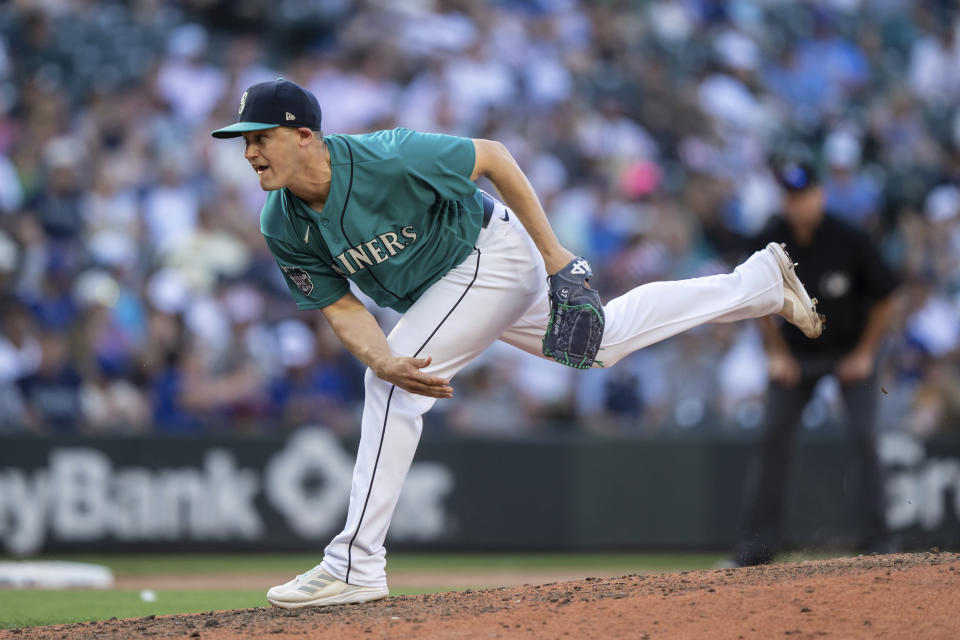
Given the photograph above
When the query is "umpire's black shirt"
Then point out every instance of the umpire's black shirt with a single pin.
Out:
(844, 271)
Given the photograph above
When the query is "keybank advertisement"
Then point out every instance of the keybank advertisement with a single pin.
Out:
(92, 493)
(179, 493)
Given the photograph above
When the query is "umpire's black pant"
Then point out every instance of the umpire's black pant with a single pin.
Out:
(766, 484)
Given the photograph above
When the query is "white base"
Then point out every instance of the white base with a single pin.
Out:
(54, 575)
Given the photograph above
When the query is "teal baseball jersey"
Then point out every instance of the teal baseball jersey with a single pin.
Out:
(401, 213)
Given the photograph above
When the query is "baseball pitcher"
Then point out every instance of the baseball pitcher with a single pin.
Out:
(398, 214)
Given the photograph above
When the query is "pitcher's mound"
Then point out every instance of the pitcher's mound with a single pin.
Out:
(895, 596)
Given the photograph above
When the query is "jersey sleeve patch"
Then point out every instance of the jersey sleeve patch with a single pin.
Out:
(312, 281)
(301, 278)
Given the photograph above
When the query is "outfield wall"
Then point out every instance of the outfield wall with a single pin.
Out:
(75, 494)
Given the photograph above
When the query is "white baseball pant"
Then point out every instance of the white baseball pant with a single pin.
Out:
(500, 292)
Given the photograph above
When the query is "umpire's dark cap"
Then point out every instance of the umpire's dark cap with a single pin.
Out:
(279, 103)
(796, 177)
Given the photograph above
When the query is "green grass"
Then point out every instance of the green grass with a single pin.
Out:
(28, 608)
(32, 607)
(293, 563)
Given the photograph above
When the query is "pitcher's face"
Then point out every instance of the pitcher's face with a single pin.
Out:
(273, 155)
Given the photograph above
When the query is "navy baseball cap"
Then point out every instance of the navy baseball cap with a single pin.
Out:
(279, 103)
(796, 176)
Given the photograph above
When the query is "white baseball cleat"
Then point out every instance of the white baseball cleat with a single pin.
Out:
(317, 588)
(799, 309)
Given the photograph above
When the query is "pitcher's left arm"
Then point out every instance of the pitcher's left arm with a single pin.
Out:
(495, 162)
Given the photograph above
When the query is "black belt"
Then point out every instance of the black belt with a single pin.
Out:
(488, 205)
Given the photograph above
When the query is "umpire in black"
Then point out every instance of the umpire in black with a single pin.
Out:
(845, 272)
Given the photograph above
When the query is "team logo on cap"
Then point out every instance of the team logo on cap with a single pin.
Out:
(300, 278)
(243, 102)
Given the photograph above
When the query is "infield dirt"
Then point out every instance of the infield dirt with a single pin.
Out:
(895, 596)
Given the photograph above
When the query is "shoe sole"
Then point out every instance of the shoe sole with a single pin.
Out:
(790, 280)
(356, 596)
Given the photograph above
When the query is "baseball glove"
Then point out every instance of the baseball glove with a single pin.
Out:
(576, 317)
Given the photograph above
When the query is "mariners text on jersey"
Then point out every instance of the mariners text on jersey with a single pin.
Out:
(380, 249)
(402, 212)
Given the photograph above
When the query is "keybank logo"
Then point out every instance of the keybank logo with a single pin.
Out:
(922, 490)
(81, 496)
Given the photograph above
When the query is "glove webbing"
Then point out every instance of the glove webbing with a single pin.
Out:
(571, 326)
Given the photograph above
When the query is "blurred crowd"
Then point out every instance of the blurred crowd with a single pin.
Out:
(136, 293)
